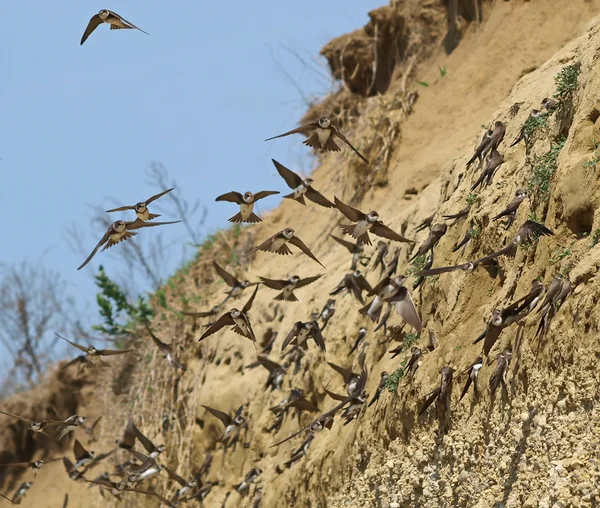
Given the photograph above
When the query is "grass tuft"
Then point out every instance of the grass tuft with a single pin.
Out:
(544, 166)
(566, 82)
(395, 377)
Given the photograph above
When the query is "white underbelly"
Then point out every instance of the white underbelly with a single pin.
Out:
(323, 135)
(362, 226)
(246, 210)
(278, 243)
(299, 191)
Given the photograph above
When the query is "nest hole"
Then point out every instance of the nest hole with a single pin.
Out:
(581, 221)
(594, 115)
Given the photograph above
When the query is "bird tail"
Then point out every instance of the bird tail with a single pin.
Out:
(313, 141)
(282, 298)
(330, 145)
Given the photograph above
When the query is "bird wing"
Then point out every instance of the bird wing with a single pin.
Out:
(345, 373)
(290, 336)
(304, 404)
(165, 348)
(224, 320)
(405, 306)
(350, 213)
(336, 131)
(229, 279)
(335, 396)
(431, 397)
(298, 130)
(160, 194)
(292, 179)
(246, 308)
(175, 476)
(78, 346)
(363, 283)
(349, 245)
(317, 197)
(198, 314)
(274, 283)
(491, 336)
(496, 254)
(318, 336)
(102, 241)
(384, 231)
(308, 280)
(264, 194)
(79, 451)
(137, 224)
(131, 25)
(232, 197)
(95, 21)
(146, 443)
(224, 417)
(95, 423)
(121, 209)
(112, 352)
(533, 229)
(270, 365)
(302, 246)
(444, 269)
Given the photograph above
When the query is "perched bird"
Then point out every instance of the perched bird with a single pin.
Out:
(167, 351)
(428, 264)
(327, 312)
(414, 362)
(528, 231)
(499, 375)
(351, 379)
(485, 141)
(243, 488)
(321, 136)
(118, 231)
(276, 373)
(92, 355)
(356, 249)
(287, 286)
(472, 372)
(511, 209)
(436, 233)
(382, 384)
(361, 335)
(558, 291)
(365, 222)
(354, 283)
(392, 290)
(523, 132)
(549, 104)
(141, 208)
(233, 424)
(458, 216)
(301, 451)
(463, 243)
(426, 223)
(246, 202)
(36, 426)
(278, 244)
(441, 396)
(237, 287)
(301, 332)
(495, 139)
(115, 21)
(236, 318)
(382, 250)
(494, 161)
(302, 187)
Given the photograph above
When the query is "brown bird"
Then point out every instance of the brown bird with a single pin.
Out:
(233, 424)
(118, 231)
(549, 104)
(426, 223)
(495, 139)
(246, 202)
(141, 208)
(236, 318)
(167, 351)
(366, 222)
(212, 313)
(356, 249)
(436, 233)
(494, 161)
(523, 132)
(354, 283)
(485, 141)
(115, 21)
(442, 396)
(301, 332)
(288, 286)
(92, 355)
(35, 426)
(511, 209)
(321, 136)
(237, 287)
(558, 291)
(302, 187)
(499, 375)
(472, 372)
(278, 244)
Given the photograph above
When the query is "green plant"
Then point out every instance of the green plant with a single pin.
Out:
(394, 378)
(114, 305)
(476, 232)
(561, 253)
(593, 162)
(423, 83)
(534, 123)
(443, 71)
(566, 82)
(533, 216)
(595, 238)
(472, 199)
(409, 340)
(417, 265)
(434, 281)
(544, 167)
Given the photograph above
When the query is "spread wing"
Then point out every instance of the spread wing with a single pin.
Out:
(229, 279)
(198, 314)
(232, 197)
(349, 245)
(266, 245)
(270, 365)
(444, 269)
(129, 436)
(317, 197)
(335, 396)
(264, 194)
(160, 194)
(274, 283)
(301, 245)
(79, 451)
(304, 404)
(246, 308)
(95, 21)
(102, 241)
(298, 130)
(120, 209)
(175, 476)
(224, 417)
(404, 305)
(532, 229)
(382, 230)
(78, 346)
(318, 336)
(308, 280)
(336, 131)
(345, 373)
(293, 332)
(111, 352)
(363, 283)
(351, 213)
(146, 443)
(498, 253)
(137, 224)
(292, 179)
(131, 25)
(224, 320)
(165, 348)
(491, 336)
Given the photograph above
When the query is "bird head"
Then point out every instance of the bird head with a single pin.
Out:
(104, 14)
(140, 207)
(372, 216)
(118, 226)
(324, 122)
(294, 279)
(288, 233)
(248, 197)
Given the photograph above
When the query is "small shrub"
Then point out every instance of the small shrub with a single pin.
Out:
(566, 82)
(544, 166)
(394, 379)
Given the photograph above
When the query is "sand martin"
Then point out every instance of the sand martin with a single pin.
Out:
(549, 104)
(495, 139)
(462, 214)
(428, 264)
(301, 332)
(494, 161)
(361, 335)
(236, 318)
(212, 314)
(511, 209)
(351, 379)
(382, 250)
(35, 426)
(118, 231)
(19, 493)
(414, 362)
(442, 396)
(382, 384)
(557, 293)
(499, 375)
(115, 21)
(243, 488)
(237, 287)
(354, 283)
(472, 372)
(246, 202)
(523, 132)
(321, 136)
(485, 141)
(167, 351)
(365, 222)
(356, 249)
(276, 372)
(92, 355)
(327, 312)
(186, 486)
(435, 234)
(287, 286)
(302, 187)
(426, 223)
(301, 451)
(141, 208)
(278, 245)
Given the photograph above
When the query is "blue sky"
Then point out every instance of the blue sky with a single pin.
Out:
(81, 124)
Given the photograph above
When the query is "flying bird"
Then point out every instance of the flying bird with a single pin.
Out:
(186, 486)
(436, 233)
(302, 187)
(356, 249)
(212, 313)
(118, 231)
(236, 286)
(19, 493)
(428, 264)
(167, 351)
(365, 222)
(141, 208)
(243, 488)
(36, 426)
(115, 21)
(246, 202)
(382, 250)
(354, 283)
(236, 318)
(276, 372)
(233, 424)
(288, 286)
(361, 335)
(301, 332)
(458, 216)
(301, 451)
(278, 244)
(92, 355)
(351, 379)
(321, 136)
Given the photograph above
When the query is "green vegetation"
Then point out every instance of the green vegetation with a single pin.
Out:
(472, 199)
(593, 162)
(476, 232)
(566, 82)
(434, 281)
(417, 265)
(443, 71)
(394, 379)
(535, 123)
(544, 166)
(423, 83)
(114, 307)
(595, 238)
(561, 253)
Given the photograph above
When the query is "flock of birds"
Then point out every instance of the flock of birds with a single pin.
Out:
(390, 293)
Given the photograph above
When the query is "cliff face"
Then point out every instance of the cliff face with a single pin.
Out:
(537, 442)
